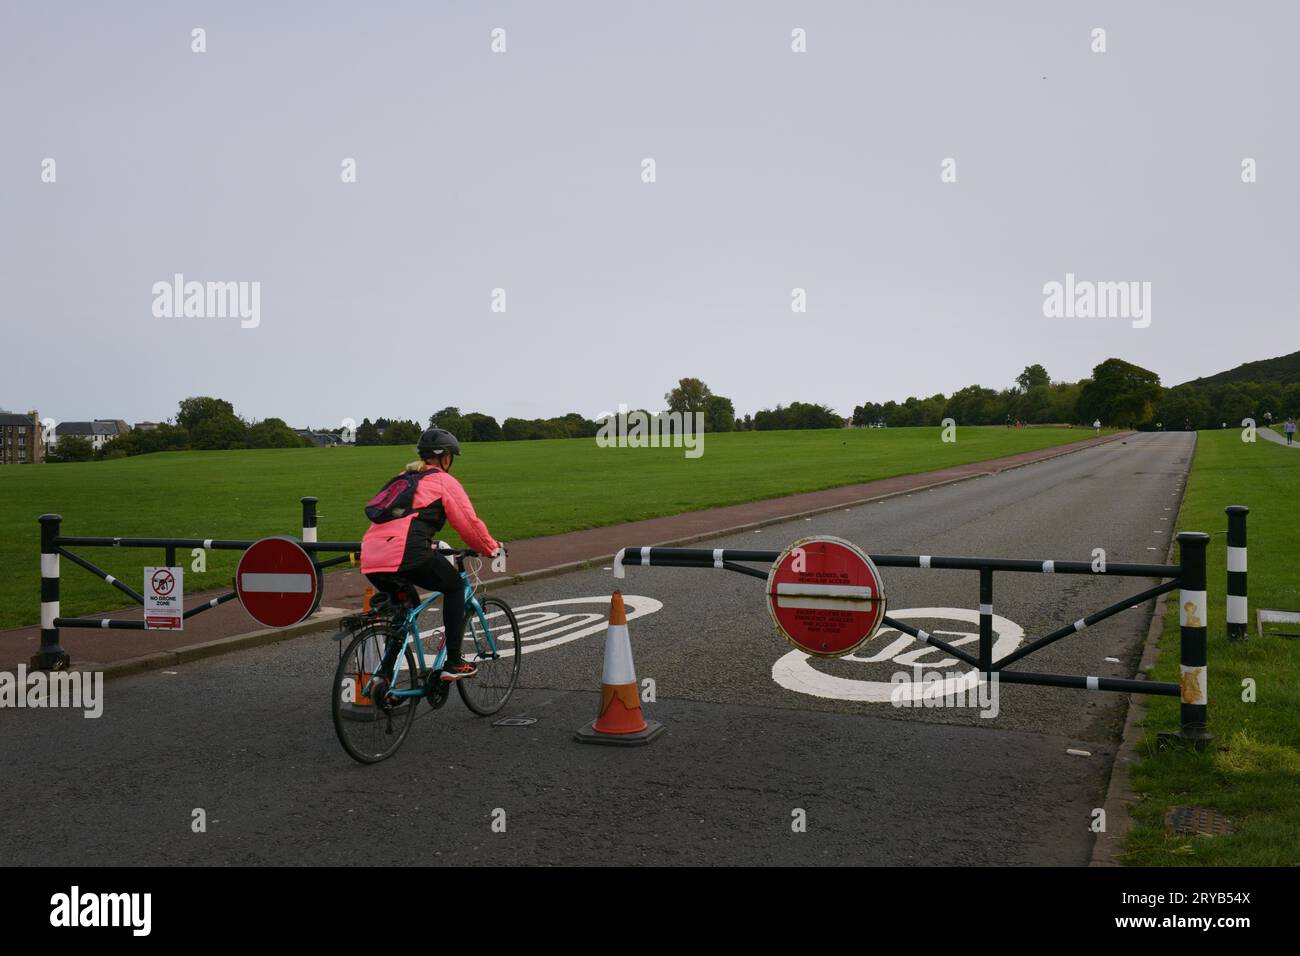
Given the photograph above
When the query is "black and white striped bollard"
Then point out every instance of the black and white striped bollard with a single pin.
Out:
(1193, 620)
(1238, 611)
(51, 656)
(309, 520)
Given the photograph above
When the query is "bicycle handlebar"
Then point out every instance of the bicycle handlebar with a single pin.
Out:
(465, 552)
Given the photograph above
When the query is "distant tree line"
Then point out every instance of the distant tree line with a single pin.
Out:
(1118, 394)
(202, 423)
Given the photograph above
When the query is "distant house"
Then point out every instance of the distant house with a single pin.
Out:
(144, 426)
(98, 432)
(321, 439)
(20, 439)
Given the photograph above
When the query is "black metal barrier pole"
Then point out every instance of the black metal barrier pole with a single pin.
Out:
(1238, 613)
(309, 519)
(1193, 655)
(51, 656)
(81, 562)
(986, 622)
(1193, 623)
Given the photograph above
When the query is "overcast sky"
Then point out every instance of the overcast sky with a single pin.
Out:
(522, 170)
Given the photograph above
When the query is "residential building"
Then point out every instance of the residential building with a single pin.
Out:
(98, 432)
(20, 439)
(318, 438)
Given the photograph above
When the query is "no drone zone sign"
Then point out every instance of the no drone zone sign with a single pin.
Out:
(164, 599)
(825, 596)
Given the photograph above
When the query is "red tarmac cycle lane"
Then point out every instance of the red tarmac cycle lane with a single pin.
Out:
(92, 648)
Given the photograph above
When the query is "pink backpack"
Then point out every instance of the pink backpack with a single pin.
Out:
(396, 499)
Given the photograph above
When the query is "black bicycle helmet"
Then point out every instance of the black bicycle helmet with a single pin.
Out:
(435, 441)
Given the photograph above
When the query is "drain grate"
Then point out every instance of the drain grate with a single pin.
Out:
(1197, 821)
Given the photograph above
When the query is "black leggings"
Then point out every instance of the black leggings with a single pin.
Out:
(436, 573)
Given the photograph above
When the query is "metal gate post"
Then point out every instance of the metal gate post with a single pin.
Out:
(986, 622)
(51, 656)
(1237, 609)
(309, 520)
(1192, 619)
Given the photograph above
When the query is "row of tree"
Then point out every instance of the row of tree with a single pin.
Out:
(202, 423)
(1118, 393)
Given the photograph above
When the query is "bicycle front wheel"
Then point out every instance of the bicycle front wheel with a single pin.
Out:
(371, 728)
(496, 655)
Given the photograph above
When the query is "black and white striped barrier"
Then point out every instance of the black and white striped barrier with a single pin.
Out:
(54, 545)
(1193, 618)
(1188, 578)
(309, 520)
(1238, 612)
(51, 656)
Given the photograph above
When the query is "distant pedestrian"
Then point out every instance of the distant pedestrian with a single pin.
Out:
(1289, 428)
(1096, 426)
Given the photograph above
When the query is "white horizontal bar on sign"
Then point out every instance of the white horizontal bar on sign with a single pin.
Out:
(853, 592)
(792, 594)
(276, 583)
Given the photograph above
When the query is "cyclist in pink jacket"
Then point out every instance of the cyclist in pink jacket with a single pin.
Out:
(401, 551)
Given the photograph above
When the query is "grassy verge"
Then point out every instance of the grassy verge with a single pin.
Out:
(521, 489)
(1252, 771)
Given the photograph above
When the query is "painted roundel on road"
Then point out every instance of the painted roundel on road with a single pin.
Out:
(825, 596)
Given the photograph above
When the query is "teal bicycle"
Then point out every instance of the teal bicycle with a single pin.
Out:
(383, 672)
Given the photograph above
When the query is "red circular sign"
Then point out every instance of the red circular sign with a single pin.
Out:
(825, 596)
(277, 582)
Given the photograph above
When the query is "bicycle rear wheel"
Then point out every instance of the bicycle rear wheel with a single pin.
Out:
(498, 671)
(372, 728)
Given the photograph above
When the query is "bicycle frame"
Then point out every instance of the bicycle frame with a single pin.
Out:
(410, 631)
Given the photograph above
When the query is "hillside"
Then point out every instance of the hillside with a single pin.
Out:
(1285, 370)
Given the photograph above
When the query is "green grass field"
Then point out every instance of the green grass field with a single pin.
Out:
(521, 489)
(1252, 772)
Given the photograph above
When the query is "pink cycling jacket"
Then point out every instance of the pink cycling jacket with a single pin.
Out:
(385, 546)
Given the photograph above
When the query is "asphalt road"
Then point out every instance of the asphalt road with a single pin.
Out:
(756, 733)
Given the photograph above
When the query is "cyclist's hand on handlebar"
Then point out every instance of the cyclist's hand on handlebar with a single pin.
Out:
(502, 550)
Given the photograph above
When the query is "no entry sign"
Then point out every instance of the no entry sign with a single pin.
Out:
(825, 596)
(277, 582)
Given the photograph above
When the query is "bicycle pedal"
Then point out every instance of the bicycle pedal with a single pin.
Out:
(436, 689)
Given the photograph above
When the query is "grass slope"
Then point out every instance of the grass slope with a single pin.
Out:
(521, 489)
(1252, 772)
(1283, 369)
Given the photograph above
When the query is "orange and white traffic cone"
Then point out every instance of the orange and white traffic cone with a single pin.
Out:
(620, 720)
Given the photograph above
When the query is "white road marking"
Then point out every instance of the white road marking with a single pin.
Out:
(794, 671)
(553, 628)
